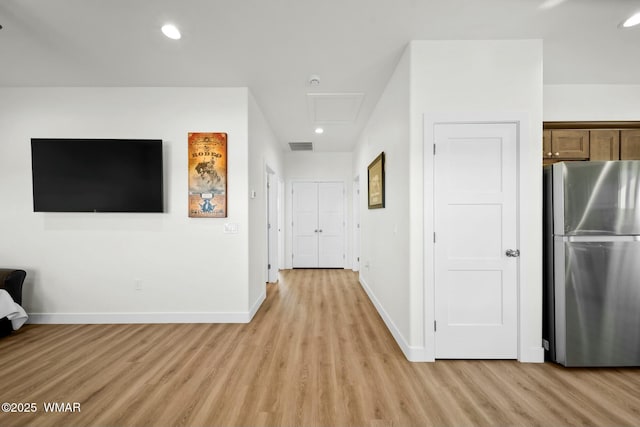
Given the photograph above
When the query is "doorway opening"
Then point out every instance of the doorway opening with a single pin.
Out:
(273, 226)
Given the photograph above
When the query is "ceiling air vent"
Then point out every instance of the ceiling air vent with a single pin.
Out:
(301, 146)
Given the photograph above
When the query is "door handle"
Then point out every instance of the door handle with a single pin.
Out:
(513, 253)
(320, 231)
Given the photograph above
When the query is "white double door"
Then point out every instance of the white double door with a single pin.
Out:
(476, 266)
(318, 225)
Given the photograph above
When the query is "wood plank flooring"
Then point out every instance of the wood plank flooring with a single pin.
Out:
(316, 354)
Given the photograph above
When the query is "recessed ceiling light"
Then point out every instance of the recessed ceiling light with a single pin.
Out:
(319, 131)
(171, 31)
(550, 4)
(634, 20)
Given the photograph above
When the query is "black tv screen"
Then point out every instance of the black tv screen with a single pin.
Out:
(97, 175)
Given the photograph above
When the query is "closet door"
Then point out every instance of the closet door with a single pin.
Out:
(305, 224)
(331, 225)
(318, 225)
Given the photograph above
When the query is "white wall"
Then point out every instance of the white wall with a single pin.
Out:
(81, 267)
(481, 79)
(457, 80)
(264, 151)
(318, 166)
(384, 236)
(591, 102)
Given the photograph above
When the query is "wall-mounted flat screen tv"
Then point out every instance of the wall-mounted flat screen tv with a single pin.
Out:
(97, 175)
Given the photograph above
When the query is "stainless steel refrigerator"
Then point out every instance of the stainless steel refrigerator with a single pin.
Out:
(592, 263)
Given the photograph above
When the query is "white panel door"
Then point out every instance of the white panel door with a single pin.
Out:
(305, 224)
(476, 283)
(281, 246)
(356, 225)
(272, 228)
(331, 225)
(318, 225)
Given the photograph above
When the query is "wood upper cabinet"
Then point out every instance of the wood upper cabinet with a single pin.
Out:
(630, 144)
(612, 140)
(546, 144)
(547, 154)
(570, 144)
(604, 144)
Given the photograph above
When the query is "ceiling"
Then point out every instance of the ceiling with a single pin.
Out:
(274, 46)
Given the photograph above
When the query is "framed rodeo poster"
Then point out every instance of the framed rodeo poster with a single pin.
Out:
(207, 175)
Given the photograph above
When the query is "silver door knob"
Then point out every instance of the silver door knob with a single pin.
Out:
(514, 253)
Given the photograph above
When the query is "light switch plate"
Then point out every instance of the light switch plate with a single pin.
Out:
(231, 228)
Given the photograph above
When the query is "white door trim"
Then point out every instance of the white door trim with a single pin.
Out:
(525, 308)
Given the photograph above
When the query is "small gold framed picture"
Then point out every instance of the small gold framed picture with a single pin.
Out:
(375, 174)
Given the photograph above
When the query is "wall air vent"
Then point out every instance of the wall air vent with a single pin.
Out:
(301, 146)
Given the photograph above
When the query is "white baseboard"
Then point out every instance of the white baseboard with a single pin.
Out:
(115, 318)
(256, 306)
(412, 353)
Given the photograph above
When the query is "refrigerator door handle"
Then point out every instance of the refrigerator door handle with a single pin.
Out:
(600, 238)
(513, 253)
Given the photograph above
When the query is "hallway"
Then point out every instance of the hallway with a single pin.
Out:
(316, 354)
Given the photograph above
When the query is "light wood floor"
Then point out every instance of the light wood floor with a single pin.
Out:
(316, 354)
